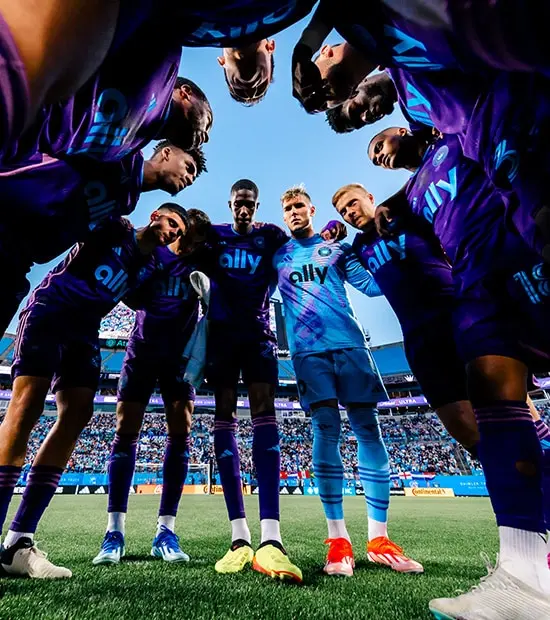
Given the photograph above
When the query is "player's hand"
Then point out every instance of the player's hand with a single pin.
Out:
(334, 231)
(383, 220)
(307, 84)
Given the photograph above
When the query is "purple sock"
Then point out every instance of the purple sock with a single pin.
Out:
(122, 463)
(9, 475)
(227, 458)
(543, 433)
(42, 482)
(174, 473)
(267, 459)
(508, 437)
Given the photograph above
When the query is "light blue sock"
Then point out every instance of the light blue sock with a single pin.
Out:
(327, 462)
(372, 457)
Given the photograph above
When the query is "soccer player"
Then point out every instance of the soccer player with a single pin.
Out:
(166, 316)
(333, 364)
(57, 338)
(240, 341)
(501, 330)
(67, 201)
(415, 277)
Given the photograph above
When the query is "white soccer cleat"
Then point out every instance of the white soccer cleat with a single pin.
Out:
(26, 560)
(167, 546)
(112, 549)
(498, 596)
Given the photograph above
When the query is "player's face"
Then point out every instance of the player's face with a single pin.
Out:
(178, 171)
(190, 119)
(243, 205)
(298, 213)
(167, 227)
(249, 70)
(343, 68)
(191, 241)
(356, 207)
(393, 149)
(373, 99)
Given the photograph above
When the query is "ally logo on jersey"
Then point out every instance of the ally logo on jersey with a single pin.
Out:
(384, 251)
(240, 259)
(439, 190)
(100, 206)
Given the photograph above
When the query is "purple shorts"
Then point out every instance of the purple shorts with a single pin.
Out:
(57, 347)
(143, 368)
(492, 318)
(232, 353)
(14, 91)
(433, 357)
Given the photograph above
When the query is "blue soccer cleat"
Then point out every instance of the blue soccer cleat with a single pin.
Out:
(167, 546)
(112, 549)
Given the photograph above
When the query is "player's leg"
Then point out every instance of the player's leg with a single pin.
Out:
(179, 400)
(260, 375)
(74, 386)
(511, 456)
(50, 48)
(222, 372)
(438, 368)
(136, 383)
(31, 381)
(316, 379)
(359, 388)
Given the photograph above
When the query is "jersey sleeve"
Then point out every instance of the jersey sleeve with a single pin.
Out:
(356, 275)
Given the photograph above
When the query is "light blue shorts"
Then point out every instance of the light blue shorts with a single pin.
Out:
(347, 375)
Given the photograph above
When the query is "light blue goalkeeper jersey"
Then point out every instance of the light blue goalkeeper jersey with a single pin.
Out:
(319, 316)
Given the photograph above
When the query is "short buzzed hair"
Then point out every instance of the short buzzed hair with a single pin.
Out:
(296, 190)
(338, 121)
(245, 184)
(173, 207)
(346, 188)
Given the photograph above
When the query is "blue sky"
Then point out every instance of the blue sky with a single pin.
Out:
(277, 145)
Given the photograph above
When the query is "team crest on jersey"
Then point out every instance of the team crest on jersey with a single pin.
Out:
(440, 156)
(324, 252)
(259, 242)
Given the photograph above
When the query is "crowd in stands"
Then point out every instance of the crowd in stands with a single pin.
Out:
(416, 444)
(118, 323)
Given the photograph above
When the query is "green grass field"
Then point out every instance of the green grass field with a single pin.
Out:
(446, 535)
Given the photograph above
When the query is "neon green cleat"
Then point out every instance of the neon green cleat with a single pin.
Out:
(271, 559)
(235, 559)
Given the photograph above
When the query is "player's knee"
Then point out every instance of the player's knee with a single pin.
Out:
(326, 422)
(493, 378)
(178, 418)
(129, 418)
(262, 399)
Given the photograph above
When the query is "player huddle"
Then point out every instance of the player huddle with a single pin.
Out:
(461, 253)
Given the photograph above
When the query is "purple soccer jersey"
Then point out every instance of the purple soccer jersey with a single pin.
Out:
(411, 271)
(242, 274)
(65, 202)
(452, 193)
(96, 274)
(116, 113)
(234, 24)
(167, 305)
(14, 90)
(394, 41)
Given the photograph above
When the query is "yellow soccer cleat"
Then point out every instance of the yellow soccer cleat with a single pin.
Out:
(271, 559)
(235, 559)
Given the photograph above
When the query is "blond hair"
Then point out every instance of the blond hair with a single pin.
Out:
(294, 191)
(346, 188)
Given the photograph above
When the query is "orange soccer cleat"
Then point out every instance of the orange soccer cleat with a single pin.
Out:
(339, 557)
(382, 550)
